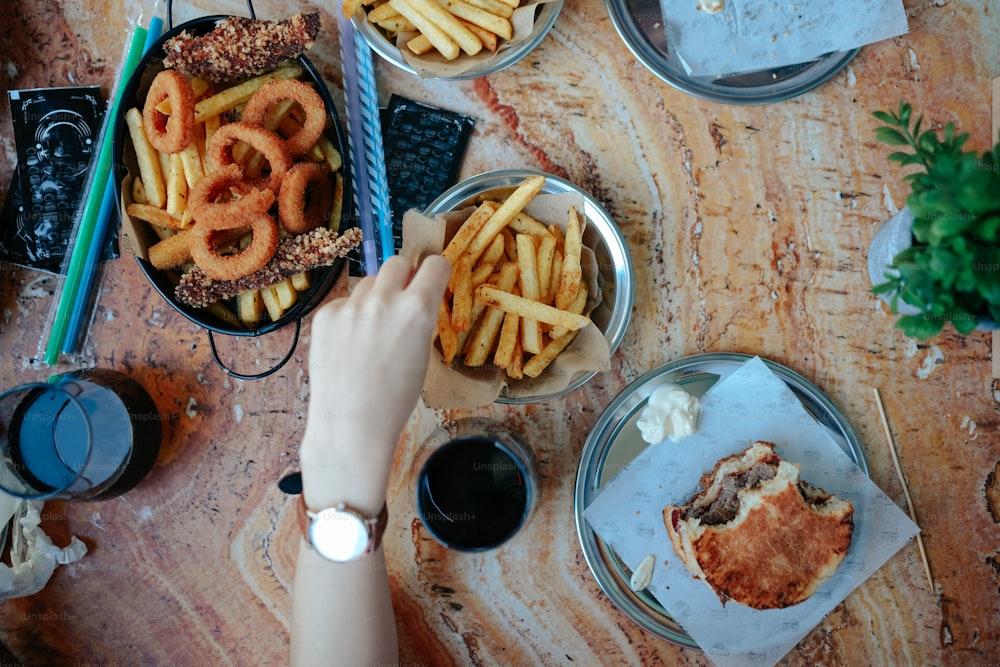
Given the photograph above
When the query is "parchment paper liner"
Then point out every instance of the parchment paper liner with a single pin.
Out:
(433, 64)
(751, 404)
(457, 386)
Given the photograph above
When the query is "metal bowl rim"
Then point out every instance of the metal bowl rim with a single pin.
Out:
(603, 222)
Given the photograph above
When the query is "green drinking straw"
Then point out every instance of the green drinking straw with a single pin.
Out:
(91, 208)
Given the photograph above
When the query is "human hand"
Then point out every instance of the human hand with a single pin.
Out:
(367, 362)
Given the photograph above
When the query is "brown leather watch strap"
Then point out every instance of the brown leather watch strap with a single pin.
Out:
(378, 530)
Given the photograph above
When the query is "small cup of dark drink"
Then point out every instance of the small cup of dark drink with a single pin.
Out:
(476, 484)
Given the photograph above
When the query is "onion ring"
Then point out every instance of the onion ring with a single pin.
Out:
(305, 198)
(231, 267)
(213, 214)
(290, 89)
(169, 133)
(269, 144)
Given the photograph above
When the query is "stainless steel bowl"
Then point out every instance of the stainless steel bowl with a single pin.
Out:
(601, 235)
(380, 44)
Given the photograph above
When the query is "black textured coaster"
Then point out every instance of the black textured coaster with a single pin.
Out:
(424, 146)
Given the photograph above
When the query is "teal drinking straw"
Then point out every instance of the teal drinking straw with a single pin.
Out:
(88, 222)
(81, 306)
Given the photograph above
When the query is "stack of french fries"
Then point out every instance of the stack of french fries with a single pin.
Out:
(159, 191)
(451, 27)
(516, 295)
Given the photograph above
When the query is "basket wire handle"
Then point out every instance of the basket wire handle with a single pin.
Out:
(170, 12)
(254, 376)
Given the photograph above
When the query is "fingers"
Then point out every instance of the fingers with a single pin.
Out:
(432, 277)
(394, 274)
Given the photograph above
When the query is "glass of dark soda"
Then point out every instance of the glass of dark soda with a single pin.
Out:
(476, 484)
(84, 435)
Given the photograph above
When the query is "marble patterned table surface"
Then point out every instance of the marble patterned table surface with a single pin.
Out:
(749, 229)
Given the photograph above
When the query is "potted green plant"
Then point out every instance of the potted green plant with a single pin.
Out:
(944, 264)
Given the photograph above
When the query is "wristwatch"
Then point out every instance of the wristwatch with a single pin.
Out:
(341, 533)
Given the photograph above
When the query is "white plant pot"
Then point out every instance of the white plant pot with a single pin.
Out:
(891, 238)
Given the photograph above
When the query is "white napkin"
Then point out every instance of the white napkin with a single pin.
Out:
(33, 555)
(748, 35)
(751, 404)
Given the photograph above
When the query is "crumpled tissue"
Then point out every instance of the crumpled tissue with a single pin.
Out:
(33, 556)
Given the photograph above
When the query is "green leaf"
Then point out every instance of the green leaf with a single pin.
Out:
(887, 135)
(886, 117)
(919, 326)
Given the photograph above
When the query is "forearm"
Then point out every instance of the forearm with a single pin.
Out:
(342, 612)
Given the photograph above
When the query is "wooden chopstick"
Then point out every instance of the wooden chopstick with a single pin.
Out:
(902, 480)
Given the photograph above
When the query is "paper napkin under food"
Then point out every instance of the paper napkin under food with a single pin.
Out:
(748, 35)
(751, 404)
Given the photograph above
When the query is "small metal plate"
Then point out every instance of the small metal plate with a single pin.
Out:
(615, 441)
(640, 25)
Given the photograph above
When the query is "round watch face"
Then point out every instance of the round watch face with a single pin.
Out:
(339, 535)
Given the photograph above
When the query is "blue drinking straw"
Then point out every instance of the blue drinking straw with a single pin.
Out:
(364, 139)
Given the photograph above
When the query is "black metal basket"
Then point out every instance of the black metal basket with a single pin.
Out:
(133, 94)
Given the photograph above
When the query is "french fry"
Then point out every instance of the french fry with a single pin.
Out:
(507, 341)
(510, 245)
(441, 40)
(331, 155)
(538, 363)
(338, 202)
(531, 335)
(272, 303)
(494, 253)
(509, 303)
(573, 243)
(285, 293)
(557, 232)
(420, 45)
(577, 307)
(250, 307)
(382, 12)
(482, 339)
(227, 99)
(476, 16)
(460, 241)
(194, 170)
(522, 223)
(461, 310)
(447, 22)
(447, 335)
(139, 191)
(481, 275)
(301, 281)
(546, 253)
(510, 207)
(211, 124)
(494, 7)
(177, 189)
(513, 4)
(397, 24)
(515, 370)
(148, 160)
(155, 215)
(351, 7)
(488, 38)
(570, 274)
(554, 275)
